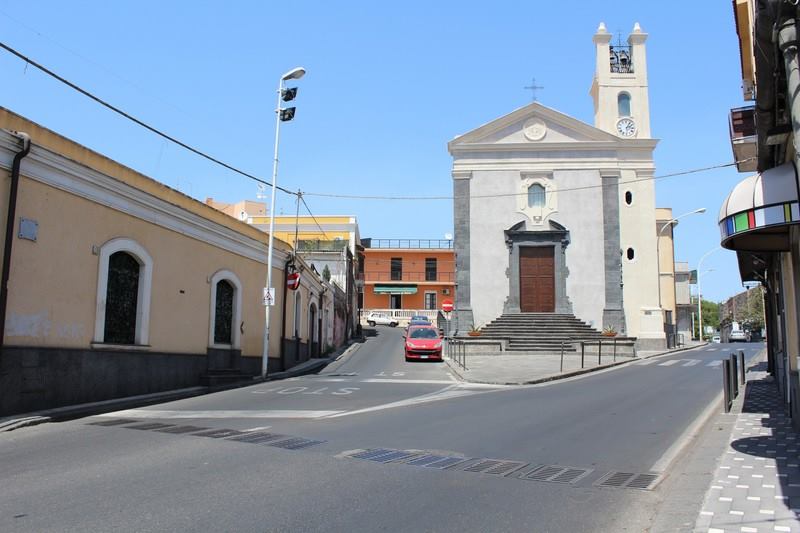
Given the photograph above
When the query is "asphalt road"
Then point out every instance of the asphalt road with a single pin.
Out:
(78, 476)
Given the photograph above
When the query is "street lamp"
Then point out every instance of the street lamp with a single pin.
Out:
(699, 294)
(281, 115)
(658, 244)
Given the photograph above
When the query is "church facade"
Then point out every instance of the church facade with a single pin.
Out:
(553, 215)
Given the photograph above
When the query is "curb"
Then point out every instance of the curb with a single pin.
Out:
(553, 377)
(57, 414)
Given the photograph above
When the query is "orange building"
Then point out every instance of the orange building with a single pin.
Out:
(408, 274)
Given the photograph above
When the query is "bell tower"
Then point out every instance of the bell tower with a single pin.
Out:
(619, 88)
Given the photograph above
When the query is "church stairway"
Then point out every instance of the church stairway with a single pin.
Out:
(540, 332)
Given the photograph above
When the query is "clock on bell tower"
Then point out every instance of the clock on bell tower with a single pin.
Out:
(619, 88)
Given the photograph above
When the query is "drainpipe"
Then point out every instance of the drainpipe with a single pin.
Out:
(12, 213)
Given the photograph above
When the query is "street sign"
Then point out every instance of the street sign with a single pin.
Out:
(447, 306)
(293, 280)
(269, 296)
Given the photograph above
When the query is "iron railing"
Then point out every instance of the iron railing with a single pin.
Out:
(429, 244)
(448, 277)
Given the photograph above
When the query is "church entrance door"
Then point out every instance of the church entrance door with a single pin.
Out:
(537, 279)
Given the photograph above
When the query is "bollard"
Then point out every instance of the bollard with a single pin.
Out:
(583, 352)
(734, 377)
(562, 357)
(741, 367)
(599, 352)
(726, 388)
(615, 350)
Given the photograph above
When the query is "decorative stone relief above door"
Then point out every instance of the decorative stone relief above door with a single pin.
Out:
(537, 197)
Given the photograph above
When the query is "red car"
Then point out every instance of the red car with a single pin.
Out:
(423, 342)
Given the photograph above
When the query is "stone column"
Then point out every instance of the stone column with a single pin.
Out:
(613, 312)
(463, 317)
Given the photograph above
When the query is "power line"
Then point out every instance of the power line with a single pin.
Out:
(505, 195)
(136, 120)
(302, 199)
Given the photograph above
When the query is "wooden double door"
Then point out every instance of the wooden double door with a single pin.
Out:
(537, 283)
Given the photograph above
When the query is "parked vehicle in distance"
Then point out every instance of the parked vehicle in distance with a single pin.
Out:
(737, 335)
(423, 342)
(418, 320)
(716, 339)
(381, 318)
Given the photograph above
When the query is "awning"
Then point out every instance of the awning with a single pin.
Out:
(395, 289)
(756, 215)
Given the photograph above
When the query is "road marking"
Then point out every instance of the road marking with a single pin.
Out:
(690, 362)
(714, 363)
(451, 376)
(646, 362)
(148, 413)
(259, 428)
(670, 363)
(411, 381)
(711, 350)
(444, 394)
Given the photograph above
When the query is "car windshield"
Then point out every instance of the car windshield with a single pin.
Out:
(423, 333)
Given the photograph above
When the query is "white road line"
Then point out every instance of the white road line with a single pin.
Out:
(332, 380)
(445, 394)
(645, 362)
(711, 350)
(670, 363)
(147, 413)
(411, 381)
(714, 363)
(690, 362)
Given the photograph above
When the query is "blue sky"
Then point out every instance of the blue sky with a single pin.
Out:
(388, 85)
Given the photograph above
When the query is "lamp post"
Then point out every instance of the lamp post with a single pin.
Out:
(658, 244)
(699, 294)
(281, 115)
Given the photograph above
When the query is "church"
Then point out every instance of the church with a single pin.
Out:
(552, 215)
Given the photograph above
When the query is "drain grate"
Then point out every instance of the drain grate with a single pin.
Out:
(394, 456)
(557, 474)
(151, 425)
(447, 462)
(109, 423)
(179, 430)
(483, 465)
(219, 433)
(369, 454)
(506, 467)
(258, 437)
(425, 460)
(295, 443)
(628, 480)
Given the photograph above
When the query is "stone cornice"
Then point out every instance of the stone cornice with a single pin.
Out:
(57, 171)
(573, 146)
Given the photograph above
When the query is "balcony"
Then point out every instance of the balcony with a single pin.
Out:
(744, 140)
(317, 245)
(410, 277)
(408, 244)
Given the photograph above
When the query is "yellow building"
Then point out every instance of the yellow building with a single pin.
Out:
(118, 285)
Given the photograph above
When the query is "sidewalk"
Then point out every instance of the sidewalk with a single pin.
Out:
(756, 483)
(525, 369)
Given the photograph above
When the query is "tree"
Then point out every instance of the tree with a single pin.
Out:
(710, 315)
(752, 315)
(326, 273)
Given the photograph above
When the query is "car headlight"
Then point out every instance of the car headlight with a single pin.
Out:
(438, 344)
(411, 345)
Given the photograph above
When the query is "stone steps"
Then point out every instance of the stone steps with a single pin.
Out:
(540, 332)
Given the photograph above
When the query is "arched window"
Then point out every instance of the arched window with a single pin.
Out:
(624, 104)
(124, 281)
(297, 317)
(536, 195)
(225, 310)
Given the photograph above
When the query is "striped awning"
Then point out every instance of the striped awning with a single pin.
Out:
(395, 289)
(758, 212)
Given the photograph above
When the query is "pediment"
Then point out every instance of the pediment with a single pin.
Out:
(531, 126)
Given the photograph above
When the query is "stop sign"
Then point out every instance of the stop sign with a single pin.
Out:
(447, 306)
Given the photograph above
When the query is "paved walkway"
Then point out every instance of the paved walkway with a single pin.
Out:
(525, 368)
(756, 485)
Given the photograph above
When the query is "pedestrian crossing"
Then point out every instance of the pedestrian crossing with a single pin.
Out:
(679, 362)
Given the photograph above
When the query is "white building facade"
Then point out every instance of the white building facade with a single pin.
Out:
(553, 215)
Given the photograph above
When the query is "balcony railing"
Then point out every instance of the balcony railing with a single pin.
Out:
(412, 244)
(315, 245)
(441, 277)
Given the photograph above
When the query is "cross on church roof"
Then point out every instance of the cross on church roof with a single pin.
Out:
(532, 88)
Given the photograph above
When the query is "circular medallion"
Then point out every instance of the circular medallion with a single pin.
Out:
(535, 129)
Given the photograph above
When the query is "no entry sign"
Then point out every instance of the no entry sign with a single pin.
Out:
(447, 306)
(293, 280)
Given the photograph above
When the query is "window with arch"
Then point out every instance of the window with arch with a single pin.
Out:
(124, 283)
(624, 104)
(225, 312)
(297, 315)
(536, 195)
